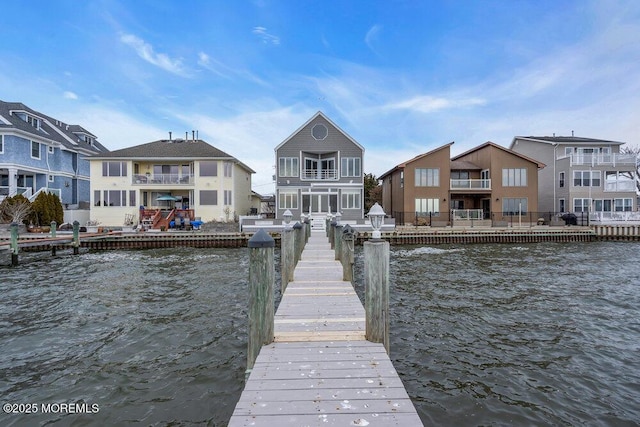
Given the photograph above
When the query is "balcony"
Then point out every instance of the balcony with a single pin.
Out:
(320, 174)
(471, 184)
(603, 159)
(162, 179)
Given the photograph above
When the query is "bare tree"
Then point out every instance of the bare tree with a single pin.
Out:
(634, 151)
(17, 212)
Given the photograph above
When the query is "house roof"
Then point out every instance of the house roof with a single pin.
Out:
(463, 165)
(319, 114)
(51, 129)
(564, 140)
(166, 149)
(418, 157)
(499, 147)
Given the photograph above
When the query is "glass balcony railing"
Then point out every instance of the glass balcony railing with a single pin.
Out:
(162, 179)
(471, 184)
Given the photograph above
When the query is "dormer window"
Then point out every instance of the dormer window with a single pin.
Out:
(33, 121)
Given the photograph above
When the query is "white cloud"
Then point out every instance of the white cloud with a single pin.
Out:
(265, 36)
(146, 52)
(371, 37)
(69, 95)
(430, 104)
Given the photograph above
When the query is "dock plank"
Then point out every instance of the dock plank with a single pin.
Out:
(320, 370)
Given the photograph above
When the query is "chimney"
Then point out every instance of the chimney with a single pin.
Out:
(193, 135)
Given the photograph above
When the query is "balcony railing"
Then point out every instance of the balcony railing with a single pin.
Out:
(603, 159)
(163, 179)
(471, 184)
(320, 174)
(467, 213)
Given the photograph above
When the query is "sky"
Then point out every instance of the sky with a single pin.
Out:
(400, 77)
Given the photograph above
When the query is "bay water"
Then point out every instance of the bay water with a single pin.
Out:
(535, 334)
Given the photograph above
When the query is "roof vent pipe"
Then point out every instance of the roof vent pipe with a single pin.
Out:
(169, 135)
(571, 133)
(193, 136)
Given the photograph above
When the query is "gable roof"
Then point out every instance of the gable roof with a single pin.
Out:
(50, 129)
(418, 157)
(319, 114)
(165, 149)
(560, 140)
(491, 144)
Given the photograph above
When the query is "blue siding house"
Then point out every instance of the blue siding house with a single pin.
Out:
(40, 153)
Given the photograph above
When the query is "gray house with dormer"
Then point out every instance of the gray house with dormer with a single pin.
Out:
(319, 171)
(40, 153)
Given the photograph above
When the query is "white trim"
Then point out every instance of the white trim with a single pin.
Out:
(319, 114)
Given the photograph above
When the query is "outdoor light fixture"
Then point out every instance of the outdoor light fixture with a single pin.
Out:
(287, 216)
(376, 216)
(338, 216)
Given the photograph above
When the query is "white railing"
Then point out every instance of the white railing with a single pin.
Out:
(320, 174)
(603, 159)
(162, 178)
(467, 214)
(471, 184)
(55, 191)
(620, 186)
(614, 216)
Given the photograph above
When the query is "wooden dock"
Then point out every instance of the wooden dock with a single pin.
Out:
(320, 370)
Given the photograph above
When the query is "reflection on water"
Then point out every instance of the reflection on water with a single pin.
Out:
(481, 334)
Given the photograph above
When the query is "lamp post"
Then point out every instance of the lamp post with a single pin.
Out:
(376, 281)
(287, 216)
(376, 216)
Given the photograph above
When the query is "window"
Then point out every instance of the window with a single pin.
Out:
(227, 197)
(114, 168)
(115, 198)
(50, 178)
(514, 177)
(228, 169)
(459, 174)
(514, 206)
(132, 198)
(568, 151)
(428, 206)
(623, 205)
(319, 132)
(561, 207)
(208, 197)
(33, 121)
(50, 149)
(350, 166)
(581, 205)
(401, 179)
(561, 180)
(288, 200)
(427, 177)
(97, 201)
(288, 166)
(351, 200)
(1, 144)
(586, 178)
(209, 168)
(35, 150)
(619, 181)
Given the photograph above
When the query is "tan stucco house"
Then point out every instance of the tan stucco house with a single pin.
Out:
(165, 180)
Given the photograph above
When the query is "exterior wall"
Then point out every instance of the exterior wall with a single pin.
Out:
(495, 160)
(335, 145)
(437, 160)
(242, 196)
(557, 162)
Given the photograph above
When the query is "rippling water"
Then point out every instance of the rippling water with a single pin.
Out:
(535, 334)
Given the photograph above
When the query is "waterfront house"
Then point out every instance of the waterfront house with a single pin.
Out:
(169, 180)
(488, 184)
(319, 171)
(583, 175)
(40, 153)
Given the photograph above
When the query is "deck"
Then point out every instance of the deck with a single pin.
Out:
(320, 370)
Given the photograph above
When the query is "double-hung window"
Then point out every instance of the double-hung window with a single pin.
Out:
(35, 150)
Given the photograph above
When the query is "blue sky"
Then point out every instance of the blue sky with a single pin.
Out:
(400, 77)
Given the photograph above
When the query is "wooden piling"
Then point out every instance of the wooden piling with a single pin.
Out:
(14, 244)
(261, 298)
(287, 256)
(337, 243)
(298, 238)
(376, 291)
(346, 257)
(76, 237)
